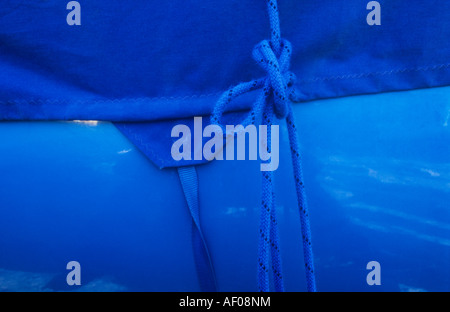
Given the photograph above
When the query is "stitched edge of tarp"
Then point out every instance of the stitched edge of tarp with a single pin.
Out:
(163, 108)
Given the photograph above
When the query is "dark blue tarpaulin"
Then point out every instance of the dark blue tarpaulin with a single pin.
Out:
(149, 60)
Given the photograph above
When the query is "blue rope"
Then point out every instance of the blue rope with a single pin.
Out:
(205, 270)
(274, 101)
(277, 270)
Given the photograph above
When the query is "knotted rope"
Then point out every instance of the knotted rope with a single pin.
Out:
(272, 105)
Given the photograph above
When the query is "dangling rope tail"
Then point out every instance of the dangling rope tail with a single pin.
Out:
(274, 101)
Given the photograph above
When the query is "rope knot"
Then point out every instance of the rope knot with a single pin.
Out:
(276, 61)
(278, 82)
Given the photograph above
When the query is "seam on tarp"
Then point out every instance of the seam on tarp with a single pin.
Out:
(381, 73)
(218, 93)
(100, 100)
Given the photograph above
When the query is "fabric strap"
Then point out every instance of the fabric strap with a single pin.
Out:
(205, 270)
